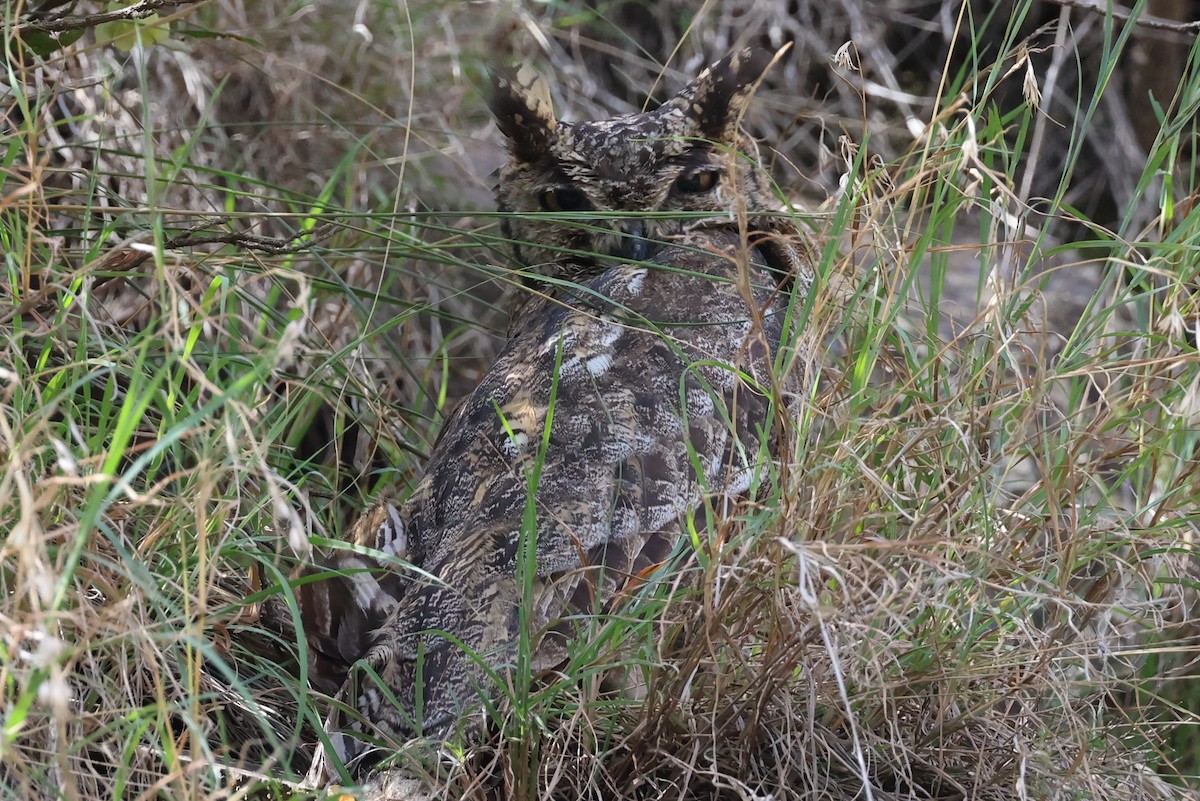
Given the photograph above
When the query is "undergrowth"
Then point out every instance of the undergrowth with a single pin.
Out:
(973, 577)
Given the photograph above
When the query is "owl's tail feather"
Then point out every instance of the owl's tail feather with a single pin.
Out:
(345, 600)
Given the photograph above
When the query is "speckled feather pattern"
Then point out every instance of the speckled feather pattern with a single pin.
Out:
(616, 466)
(626, 164)
(659, 375)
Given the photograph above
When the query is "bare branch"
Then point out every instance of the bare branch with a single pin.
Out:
(123, 261)
(139, 10)
(1123, 14)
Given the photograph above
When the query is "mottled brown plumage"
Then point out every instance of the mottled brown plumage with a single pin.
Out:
(654, 372)
(599, 179)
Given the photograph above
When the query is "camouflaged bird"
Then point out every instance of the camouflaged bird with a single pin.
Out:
(622, 399)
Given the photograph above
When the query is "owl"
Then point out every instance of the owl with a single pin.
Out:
(641, 378)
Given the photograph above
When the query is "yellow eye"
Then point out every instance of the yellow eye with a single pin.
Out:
(697, 182)
(564, 198)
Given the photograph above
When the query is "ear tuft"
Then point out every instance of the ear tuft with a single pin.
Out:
(523, 110)
(717, 98)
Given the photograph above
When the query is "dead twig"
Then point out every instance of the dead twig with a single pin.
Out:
(1124, 14)
(139, 10)
(125, 260)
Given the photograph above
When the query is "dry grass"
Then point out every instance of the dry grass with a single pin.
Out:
(245, 280)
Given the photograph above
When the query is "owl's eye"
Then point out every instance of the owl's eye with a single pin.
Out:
(694, 183)
(564, 198)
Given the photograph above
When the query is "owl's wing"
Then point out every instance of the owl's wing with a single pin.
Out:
(616, 413)
(347, 597)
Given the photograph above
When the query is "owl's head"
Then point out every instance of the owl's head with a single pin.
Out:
(582, 194)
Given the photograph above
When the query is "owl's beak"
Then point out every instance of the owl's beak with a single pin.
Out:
(634, 245)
